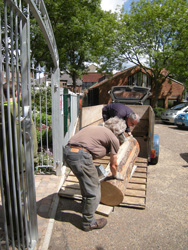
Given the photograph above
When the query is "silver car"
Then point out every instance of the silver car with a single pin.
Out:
(169, 115)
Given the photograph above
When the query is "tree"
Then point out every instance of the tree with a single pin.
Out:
(39, 48)
(153, 30)
(179, 65)
(84, 33)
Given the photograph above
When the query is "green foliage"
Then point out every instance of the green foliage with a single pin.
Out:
(42, 119)
(39, 49)
(158, 111)
(83, 33)
(153, 34)
(44, 137)
(39, 100)
(45, 163)
(41, 128)
(170, 104)
(155, 31)
(1, 6)
(38, 136)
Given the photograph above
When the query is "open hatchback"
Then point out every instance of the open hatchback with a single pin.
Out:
(135, 97)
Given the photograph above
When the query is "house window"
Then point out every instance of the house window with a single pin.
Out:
(87, 85)
(140, 79)
(135, 79)
(144, 82)
(130, 80)
(64, 83)
(149, 82)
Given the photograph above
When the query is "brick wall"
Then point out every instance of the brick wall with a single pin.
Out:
(171, 90)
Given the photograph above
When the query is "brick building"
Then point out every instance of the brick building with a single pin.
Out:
(92, 77)
(171, 91)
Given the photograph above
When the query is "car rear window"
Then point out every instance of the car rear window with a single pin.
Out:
(180, 106)
(122, 93)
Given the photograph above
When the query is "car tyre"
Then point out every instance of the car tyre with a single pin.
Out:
(154, 161)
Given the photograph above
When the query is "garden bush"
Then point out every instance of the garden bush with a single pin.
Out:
(158, 111)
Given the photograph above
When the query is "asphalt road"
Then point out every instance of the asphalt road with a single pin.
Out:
(163, 224)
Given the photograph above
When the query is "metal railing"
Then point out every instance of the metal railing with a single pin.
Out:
(21, 122)
(71, 114)
(42, 120)
(18, 216)
(19, 229)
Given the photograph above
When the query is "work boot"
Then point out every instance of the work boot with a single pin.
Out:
(100, 223)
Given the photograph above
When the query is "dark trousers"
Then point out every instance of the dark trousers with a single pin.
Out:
(81, 164)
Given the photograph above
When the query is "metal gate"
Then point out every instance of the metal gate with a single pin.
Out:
(18, 217)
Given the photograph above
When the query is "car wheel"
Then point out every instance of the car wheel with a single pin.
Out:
(154, 161)
(180, 126)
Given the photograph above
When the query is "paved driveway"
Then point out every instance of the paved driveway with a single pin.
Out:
(162, 225)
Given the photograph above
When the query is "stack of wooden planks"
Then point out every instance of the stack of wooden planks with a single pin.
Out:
(135, 195)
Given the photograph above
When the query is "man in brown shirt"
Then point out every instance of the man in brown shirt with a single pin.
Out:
(90, 143)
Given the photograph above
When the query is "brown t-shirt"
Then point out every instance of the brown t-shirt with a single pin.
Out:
(97, 139)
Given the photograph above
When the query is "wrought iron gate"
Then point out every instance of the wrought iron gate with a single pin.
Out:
(18, 217)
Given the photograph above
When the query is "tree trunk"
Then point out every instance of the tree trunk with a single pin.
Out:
(113, 190)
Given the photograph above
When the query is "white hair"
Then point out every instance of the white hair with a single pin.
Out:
(116, 125)
(134, 117)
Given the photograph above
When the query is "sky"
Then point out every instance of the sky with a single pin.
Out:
(113, 4)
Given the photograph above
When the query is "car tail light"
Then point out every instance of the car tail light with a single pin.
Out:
(153, 153)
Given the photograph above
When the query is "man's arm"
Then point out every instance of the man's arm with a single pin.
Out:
(113, 164)
(105, 113)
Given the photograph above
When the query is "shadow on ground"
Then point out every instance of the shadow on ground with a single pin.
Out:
(68, 210)
(178, 128)
(184, 156)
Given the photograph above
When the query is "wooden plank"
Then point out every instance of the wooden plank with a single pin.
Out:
(72, 178)
(104, 210)
(71, 174)
(138, 180)
(134, 201)
(106, 157)
(69, 191)
(71, 184)
(76, 194)
(132, 205)
(141, 164)
(136, 193)
(141, 159)
(144, 167)
(141, 169)
(101, 160)
(139, 175)
(136, 186)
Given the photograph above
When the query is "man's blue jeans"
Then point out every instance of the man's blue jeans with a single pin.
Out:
(81, 164)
